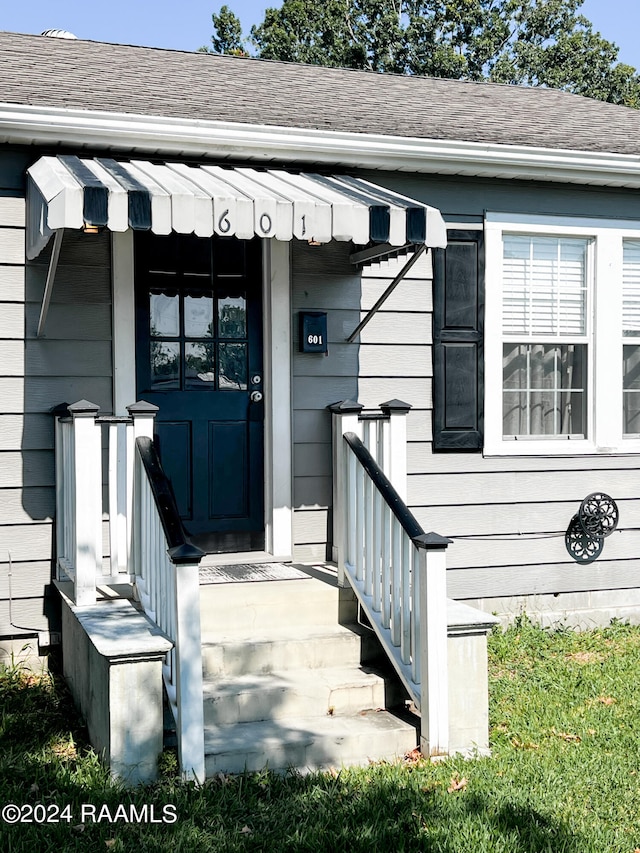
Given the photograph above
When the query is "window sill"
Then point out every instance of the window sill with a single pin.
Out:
(559, 447)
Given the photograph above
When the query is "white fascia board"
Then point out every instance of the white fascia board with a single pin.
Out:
(20, 124)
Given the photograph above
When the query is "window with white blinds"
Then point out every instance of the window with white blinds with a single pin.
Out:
(545, 284)
(561, 335)
(631, 330)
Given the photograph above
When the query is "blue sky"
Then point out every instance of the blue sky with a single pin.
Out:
(186, 26)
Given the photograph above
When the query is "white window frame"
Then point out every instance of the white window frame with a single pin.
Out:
(604, 328)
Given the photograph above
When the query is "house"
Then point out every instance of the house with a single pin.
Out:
(196, 247)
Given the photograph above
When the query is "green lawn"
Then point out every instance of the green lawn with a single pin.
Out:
(563, 778)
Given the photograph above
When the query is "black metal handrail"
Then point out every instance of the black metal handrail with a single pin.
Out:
(393, 500)
(181, 549)
(380, 480)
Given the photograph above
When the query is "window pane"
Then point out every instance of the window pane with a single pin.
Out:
(631, 289)
(232, 317)
(544, 390)
(165, 314)
(544, 285)
(165, 365)
(232, 366)
(199, 366)
(198, 315)
(631, 388)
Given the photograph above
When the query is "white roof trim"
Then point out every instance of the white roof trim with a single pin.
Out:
(161, 136)
(68, 192)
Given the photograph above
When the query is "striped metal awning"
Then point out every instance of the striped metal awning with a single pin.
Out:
(72, 192)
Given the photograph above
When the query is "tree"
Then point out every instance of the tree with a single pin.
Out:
(227, 36)
(530, 42)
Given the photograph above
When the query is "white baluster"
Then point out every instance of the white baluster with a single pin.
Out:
(351, 514)
(416, 616)
(128, 498)
(396, 462)
(377, 550)
(359, 525)
(386, 565)
(368, 535)
(344, 418)
(405, 612)
(396, 585)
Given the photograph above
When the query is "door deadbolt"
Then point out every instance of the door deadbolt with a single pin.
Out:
(256, 379)
(256, 396)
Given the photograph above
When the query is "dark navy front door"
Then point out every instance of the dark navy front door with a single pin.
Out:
(199, 359)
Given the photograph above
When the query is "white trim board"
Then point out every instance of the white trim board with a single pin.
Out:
(278, 438)
(162, 136)
(604, 433)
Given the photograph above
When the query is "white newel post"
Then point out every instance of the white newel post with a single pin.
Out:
(188, 651)
(344, 418)
(431, 605)
(395, 450)
(87, 476)
(142, 414)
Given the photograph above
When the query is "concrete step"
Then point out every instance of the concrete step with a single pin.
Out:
(305, 744)
(291, 648)
(292, 693)
(260, 608)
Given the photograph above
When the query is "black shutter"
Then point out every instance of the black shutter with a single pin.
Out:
(458, 359)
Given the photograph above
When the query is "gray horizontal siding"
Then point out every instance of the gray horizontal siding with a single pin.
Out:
(543, 579)
(31, 542)
(27, 504)
(518, 487)
(28, 581)
(70, 362)
(26, 432)
(12, 283)
(518, 520)
(506, 516)
(392, 358)
(27, 616)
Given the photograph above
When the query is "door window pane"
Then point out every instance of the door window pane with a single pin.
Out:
(232, 317)
(232, 367)
(165, 365)
(198, 315)
(229, 259)
(164, 315)
(199, 366)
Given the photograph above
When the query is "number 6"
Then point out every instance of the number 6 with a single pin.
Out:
(224, 225)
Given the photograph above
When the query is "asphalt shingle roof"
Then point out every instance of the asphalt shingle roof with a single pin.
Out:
(51, 72)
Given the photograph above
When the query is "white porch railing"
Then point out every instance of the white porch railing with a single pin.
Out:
(90, 549)
(169, 589)
(144, 544)
(396, 570)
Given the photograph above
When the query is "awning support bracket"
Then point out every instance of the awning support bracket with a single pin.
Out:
(48, 287)
(373, 311)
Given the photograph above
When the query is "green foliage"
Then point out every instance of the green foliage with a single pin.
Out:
(529, 42)
(563, 776)
(227, 34)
